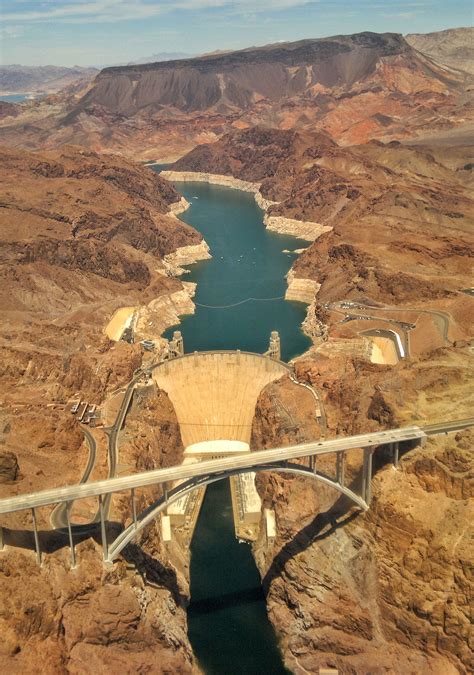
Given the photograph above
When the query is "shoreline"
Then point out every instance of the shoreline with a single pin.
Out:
(306, 230)
(165, 310)
(298, 289)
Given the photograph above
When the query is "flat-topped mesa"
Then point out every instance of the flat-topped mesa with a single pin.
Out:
(290, 53)
(354, 87)
(236, 80)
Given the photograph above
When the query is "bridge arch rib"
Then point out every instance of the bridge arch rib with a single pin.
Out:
(151, 512)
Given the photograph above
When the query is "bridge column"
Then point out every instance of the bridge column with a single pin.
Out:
(2, 543)
(134, 508)
(340, 467)
(312, 463)
(103, 529)
(35, 531)
(165, 492)
(69, 530)
(395, 454)
(367, 476)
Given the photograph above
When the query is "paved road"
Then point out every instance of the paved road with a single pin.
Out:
(217, 466)
(212, 467)
(315, 393)
(59, 516)
(442, 318)
(113, 451)
(447, 427)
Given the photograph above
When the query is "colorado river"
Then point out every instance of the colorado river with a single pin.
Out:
(228, 625)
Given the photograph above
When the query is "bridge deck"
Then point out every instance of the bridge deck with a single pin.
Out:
(213, 467)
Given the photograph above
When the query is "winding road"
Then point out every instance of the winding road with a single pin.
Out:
(442, 318)
(59, 515)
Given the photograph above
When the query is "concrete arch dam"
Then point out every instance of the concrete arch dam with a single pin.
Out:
(215, 393)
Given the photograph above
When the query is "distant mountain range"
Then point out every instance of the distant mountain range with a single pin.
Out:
(162, 56)
(48, 79)
(453, 47)
(353, 87)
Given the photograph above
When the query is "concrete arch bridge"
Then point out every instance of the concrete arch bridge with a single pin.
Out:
(214, 395)
(194, 476)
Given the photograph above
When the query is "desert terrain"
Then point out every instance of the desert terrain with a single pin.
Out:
(357, 87)
(365, 139)
(83, 236)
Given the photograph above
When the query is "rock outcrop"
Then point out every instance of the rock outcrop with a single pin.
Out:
(9, 468)
(384, 590)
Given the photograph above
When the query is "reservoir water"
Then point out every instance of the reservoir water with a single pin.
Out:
(14, 98)
(247, 262)
(228, 624)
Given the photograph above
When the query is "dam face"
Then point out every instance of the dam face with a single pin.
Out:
(214, 394)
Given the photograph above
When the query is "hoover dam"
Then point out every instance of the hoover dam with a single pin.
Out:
(214, 394)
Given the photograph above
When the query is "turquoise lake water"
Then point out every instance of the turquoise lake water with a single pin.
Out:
(14, 98)
(228, 624)
(247, 262)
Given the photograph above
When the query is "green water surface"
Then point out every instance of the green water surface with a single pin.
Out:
(247, 262)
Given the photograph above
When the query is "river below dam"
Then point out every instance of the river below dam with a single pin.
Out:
(239, 301)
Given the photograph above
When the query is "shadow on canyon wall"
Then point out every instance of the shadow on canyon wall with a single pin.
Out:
(341, 513)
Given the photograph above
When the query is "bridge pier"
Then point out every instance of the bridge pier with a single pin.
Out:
(2, 544)
(35, 531)
(69, 530)
(367, 476)
(103, 529)
(134, 508)
(340, 467)
(395, 454)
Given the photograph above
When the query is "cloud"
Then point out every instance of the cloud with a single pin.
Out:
(11, 32)
(403, 15)
(101, 11)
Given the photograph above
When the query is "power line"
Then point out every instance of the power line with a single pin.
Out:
(241, 302)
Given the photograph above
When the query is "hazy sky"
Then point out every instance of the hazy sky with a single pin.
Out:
(68, 32)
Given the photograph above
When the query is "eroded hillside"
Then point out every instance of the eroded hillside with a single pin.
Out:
(354, 87)
(82, 235)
